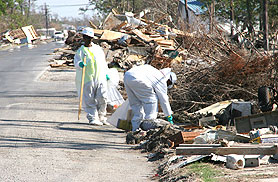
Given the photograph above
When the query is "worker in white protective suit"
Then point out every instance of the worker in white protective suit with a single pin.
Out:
(96, 76)
(145, 86)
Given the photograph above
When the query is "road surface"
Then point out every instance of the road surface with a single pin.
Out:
(40, 136)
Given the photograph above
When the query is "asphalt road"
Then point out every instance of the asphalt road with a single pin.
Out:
(40, 136)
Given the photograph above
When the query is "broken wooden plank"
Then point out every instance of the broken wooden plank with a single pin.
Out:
(144, 37)
(98, 31)
(165, 42)
(155, 35)
(111, 35)
(200, 145)
(157, 39)
(121, 25)
(92, 24)
(252, 150)
(178, 32)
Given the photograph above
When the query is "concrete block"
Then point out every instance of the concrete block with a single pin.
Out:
(252, 160)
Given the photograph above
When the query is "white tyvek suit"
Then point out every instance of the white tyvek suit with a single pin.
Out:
(145, 86)
(95, 84)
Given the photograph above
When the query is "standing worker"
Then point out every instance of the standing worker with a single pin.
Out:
(145, 86)
(95, 81)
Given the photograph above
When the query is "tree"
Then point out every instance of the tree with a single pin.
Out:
(5, 5)
(265, 24)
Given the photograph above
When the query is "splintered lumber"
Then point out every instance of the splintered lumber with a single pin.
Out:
(165, 42)
(240, 150)
(121, 25)
(144, 37)
(178, 32)
(92, 24)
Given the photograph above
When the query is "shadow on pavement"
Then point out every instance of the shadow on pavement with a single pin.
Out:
(86, 144)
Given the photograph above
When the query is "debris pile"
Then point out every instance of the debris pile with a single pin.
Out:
(128, 41)
(22, 35)
(64, 58)
(214, 101)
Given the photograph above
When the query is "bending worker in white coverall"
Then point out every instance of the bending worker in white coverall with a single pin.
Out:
(96, 76)
(145, 86)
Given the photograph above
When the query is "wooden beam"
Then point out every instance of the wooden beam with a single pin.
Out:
(144, 37)
(92, 24)
(165, 42)
(200, 145)
(120, 26)
(252, 150)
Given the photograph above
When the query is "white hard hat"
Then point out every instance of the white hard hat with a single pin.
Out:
(173, 79)
(88, 31)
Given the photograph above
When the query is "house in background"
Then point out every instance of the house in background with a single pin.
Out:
(196, 16)
(195, 11)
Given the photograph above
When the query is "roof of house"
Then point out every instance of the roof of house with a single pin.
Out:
(196, 6)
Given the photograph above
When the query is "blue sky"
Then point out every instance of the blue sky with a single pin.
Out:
(65, 10)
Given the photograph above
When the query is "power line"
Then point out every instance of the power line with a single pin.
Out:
(57, 6)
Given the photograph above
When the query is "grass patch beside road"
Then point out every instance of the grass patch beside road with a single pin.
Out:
(207, 172)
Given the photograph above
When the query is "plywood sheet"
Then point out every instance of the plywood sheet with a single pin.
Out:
(111, 35)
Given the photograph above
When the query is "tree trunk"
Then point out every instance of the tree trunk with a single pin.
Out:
(249, 17)
(232, 16)
(265, 25)
(133, 6)
(29, 9)
(212, 10)
(186, 13)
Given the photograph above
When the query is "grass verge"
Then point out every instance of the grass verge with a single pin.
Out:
(205, 171)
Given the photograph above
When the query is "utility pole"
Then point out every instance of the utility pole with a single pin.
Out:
(46, 18)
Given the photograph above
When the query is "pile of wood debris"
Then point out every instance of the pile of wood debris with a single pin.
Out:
(209, 67)
(126, 44)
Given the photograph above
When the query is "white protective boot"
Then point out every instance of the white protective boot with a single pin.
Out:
(96, 123)
(103, 119)
(94, 120)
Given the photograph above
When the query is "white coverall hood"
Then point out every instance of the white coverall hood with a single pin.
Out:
(169, 76)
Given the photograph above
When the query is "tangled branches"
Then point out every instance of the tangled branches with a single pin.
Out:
(215, 70)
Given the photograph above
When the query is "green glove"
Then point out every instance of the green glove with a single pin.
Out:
(170, 119)
(107, 77)
(81, 64)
